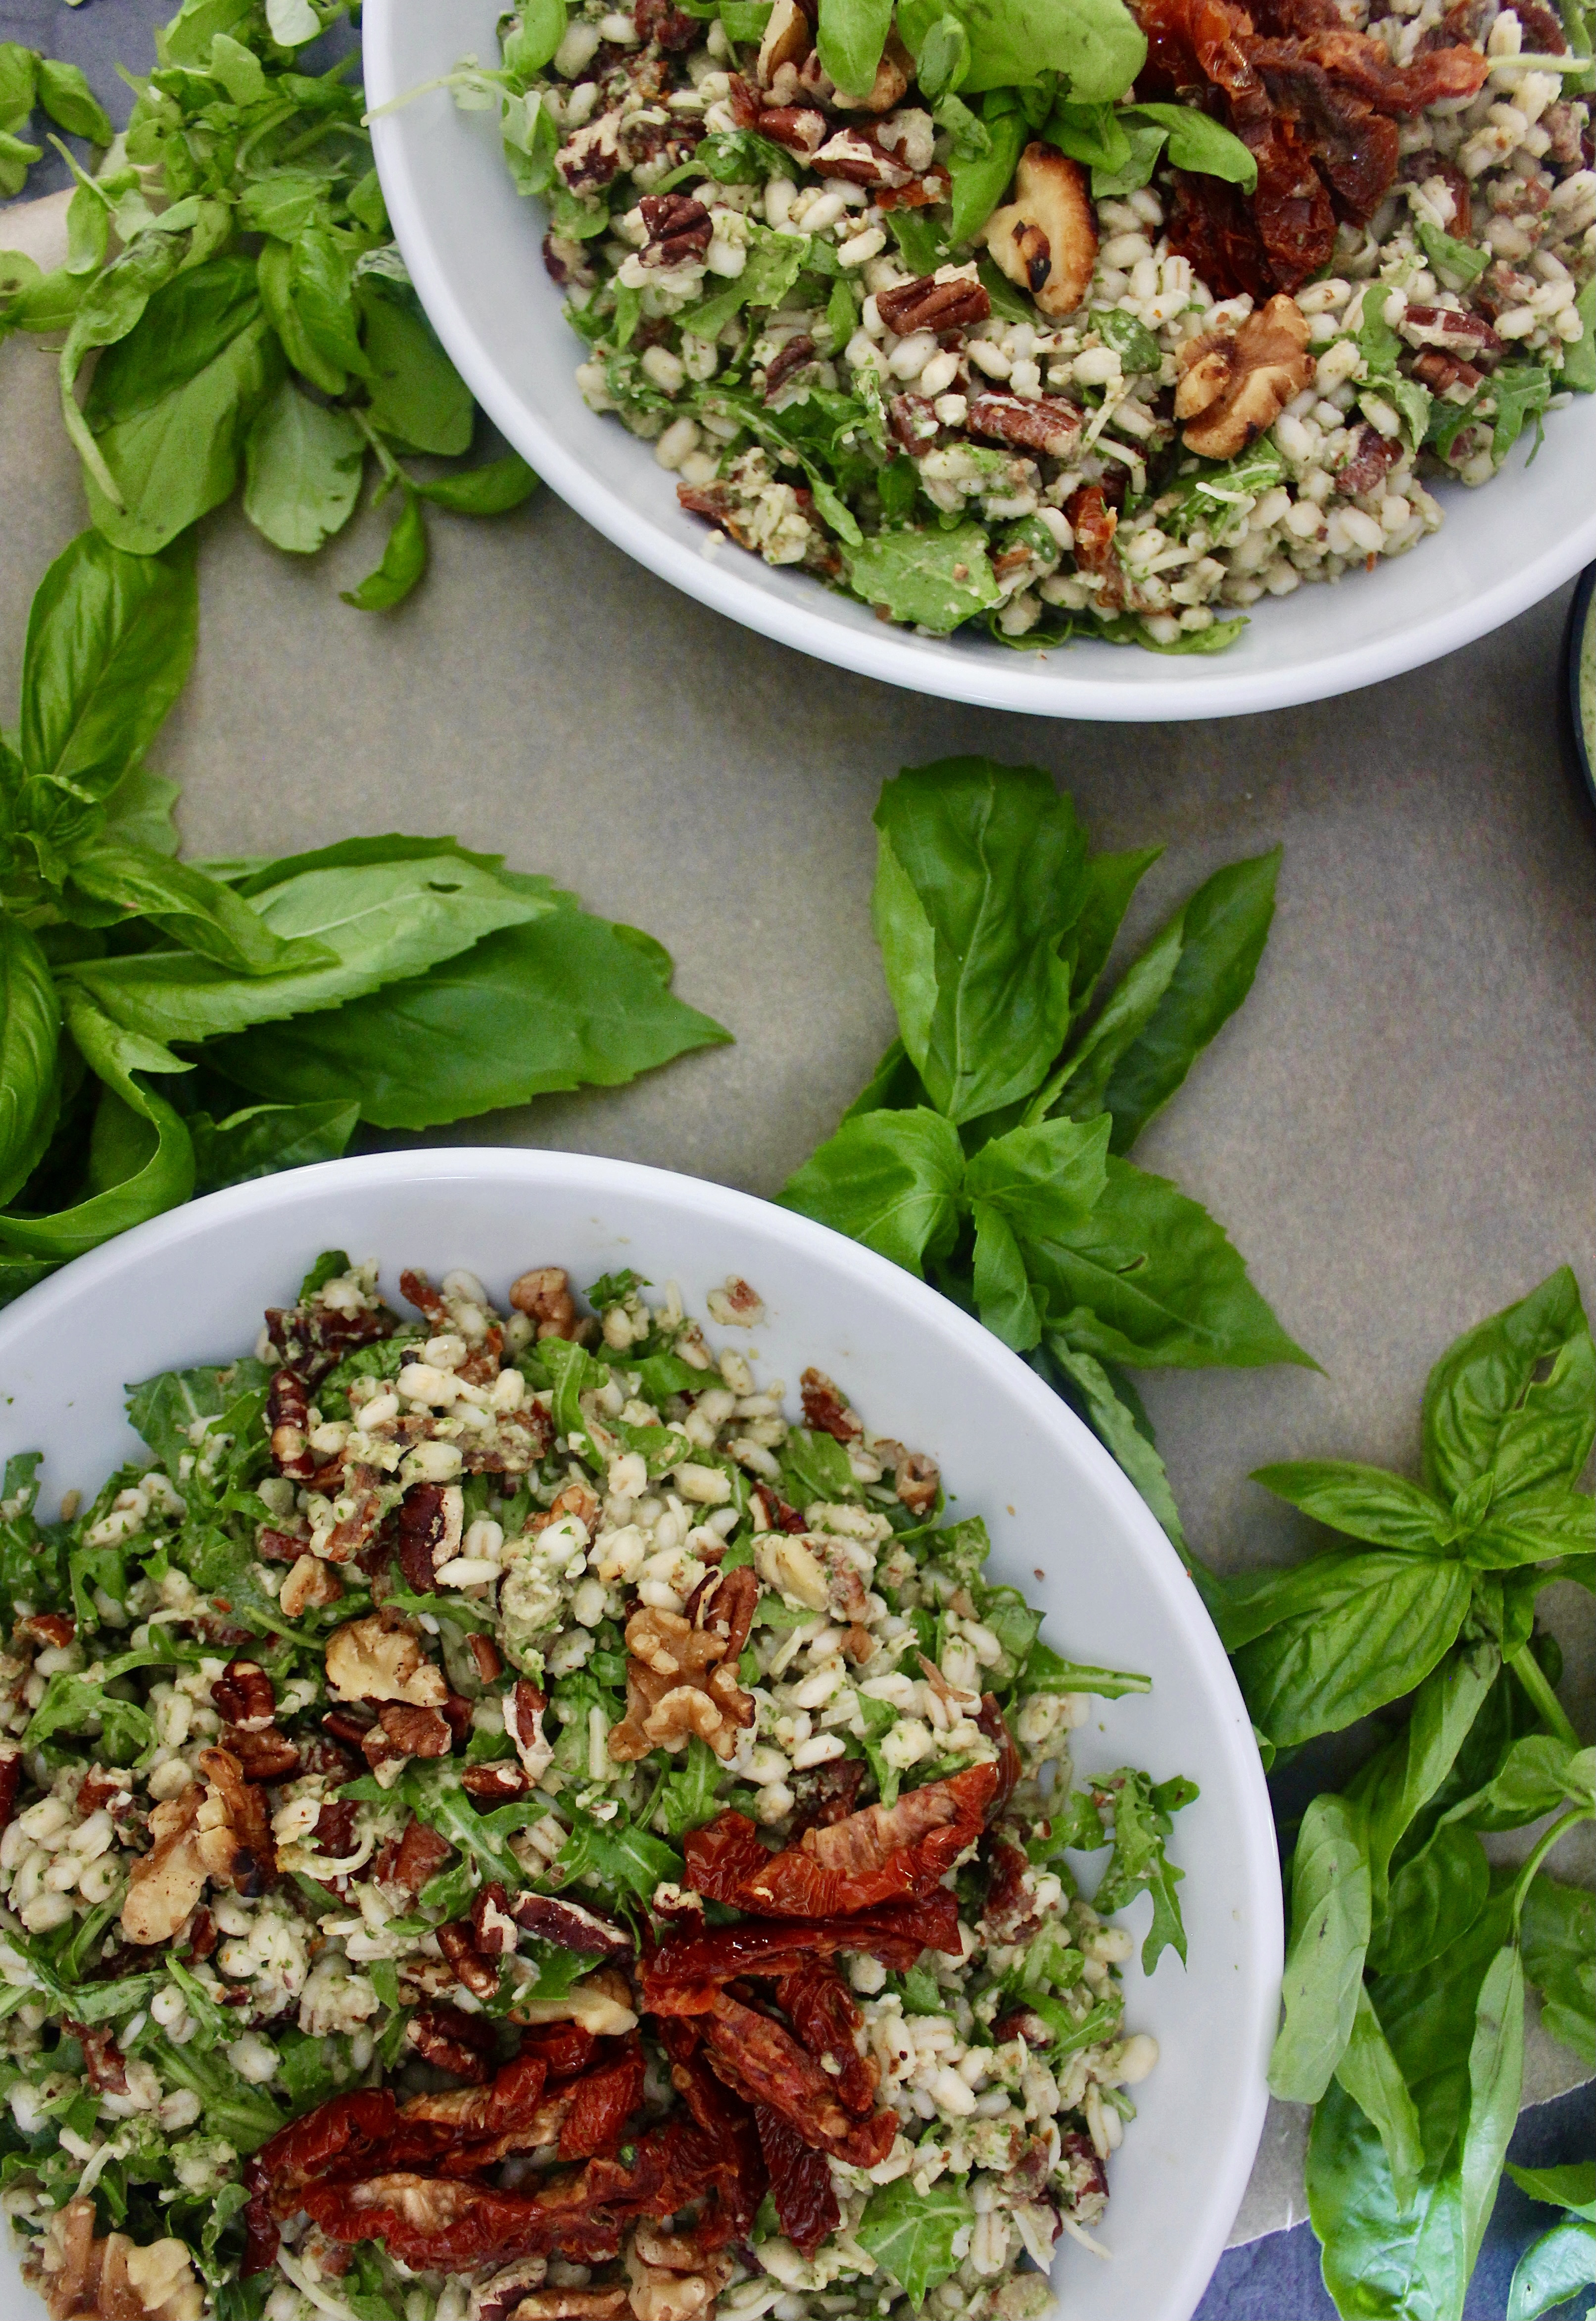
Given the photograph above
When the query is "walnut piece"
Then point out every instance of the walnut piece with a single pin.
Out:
(892, 76)
(1233, 387)
(1046, 238)
(601, 2003)
(672, 2279)
(544, 1295)
(310, 1583)
(114, 2278)
(680, 1675)
(379, 1657)
(217, 1829)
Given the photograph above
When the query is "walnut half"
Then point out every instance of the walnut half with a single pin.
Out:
(1233, 386)
(380, 1657)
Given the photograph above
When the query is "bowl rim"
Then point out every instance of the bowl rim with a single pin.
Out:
(523, 1169)
(895, 656)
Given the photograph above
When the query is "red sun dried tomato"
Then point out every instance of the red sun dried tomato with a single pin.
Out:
(823, 2011)
(602, 2104)
(799, 2182)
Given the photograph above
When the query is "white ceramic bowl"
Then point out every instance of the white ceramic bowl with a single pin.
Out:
(472, 245)
(190, 1287)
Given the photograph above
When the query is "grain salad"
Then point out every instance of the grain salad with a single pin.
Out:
(1077, 321)
(501, 1821)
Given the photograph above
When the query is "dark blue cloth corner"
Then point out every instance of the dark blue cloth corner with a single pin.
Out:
(1278, 2278)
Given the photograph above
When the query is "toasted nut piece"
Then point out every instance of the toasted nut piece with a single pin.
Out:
(165, 1883)
(418, 1732)
(787, 40)
(243, 1695)
(1046, 239)
(372, 1660)
(544, 1294)
(917, 1478)
(671, 2278)
(83, 2279)
(786, 1564)
(311, 1583)
(1232, 388)
(523, 1722)
(555, 1918)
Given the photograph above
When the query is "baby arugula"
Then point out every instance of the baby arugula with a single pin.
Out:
(1403, 1996)
(233, 264)
(400, 980)
(988, 1153)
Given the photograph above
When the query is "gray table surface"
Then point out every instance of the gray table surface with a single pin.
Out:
(1398, 1129)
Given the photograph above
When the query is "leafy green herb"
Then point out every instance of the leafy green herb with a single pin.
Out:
(912, 2234)
(404, 981)
(986, 1153)
(930, 577)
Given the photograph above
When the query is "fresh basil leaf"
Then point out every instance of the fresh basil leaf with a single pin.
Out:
(890, 1179)
(850, 38)
(1496, 2075)
(1370, 2074)
(417, 397)
(302, 466)
(1085, 1075)
(1363, 1630)
(382, 920)
(980, 878)
(562, 1000)
(1003, 1301)
(403, 562)
(492, 489)
(1532, 1526)
(1399, 1784)
(912, 2233)
(1046, 1180)
(1094, 45)
(1150, 1279)
(1364, 1502)
(980, 180)
(185, 326)
(1109, 882)
(1222, 931)
(930, 579)
(1539, 1775)
(198, 912)
(1324, 1967)
(110, 638)
(29, 1039)
(1485, 1408)
(138, 812)
(172, 463)
(1090, 1390)
(66, 95)
(1558, 1930)
(1553, 2268)
(1572, 2188)
(1200, 144)
(264, 1138)
(1435, 1897)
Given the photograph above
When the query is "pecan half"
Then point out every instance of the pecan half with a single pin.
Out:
(485, 1655)
(915, 426)
(929, 304)
(798, 127)
(454, 2040)
(457, 1942)
(432, 1519)
(242, 1696)
(792, 357)
(555, 1918)
(263, 1756)
(1038, 423)
(679, 228)
(418, 1732)
(287, 1414)
(826, 1410)
(499, 1781)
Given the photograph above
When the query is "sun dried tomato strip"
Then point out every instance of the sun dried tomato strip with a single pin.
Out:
(871, 1857)
(764, 2063)
(341, 2135)
(603, 2102)
(823, 2011)
(565, 2049)
(799, 2182)
(895, 1932)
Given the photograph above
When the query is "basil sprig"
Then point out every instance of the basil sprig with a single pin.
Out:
(167, 1027)
(988, 1153)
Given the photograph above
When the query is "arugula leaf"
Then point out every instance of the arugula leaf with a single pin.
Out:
(912, 2234)
(563, 1000)
(165, 1411)
(1045, 1671)
(1142, 1823)
(890, 1179)
(687, 1797)
(625, 1860)
(851, 36)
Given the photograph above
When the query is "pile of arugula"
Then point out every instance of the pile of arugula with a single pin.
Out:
(404, 981)
(988, 1153)
(1410, 1946)
(232, 261)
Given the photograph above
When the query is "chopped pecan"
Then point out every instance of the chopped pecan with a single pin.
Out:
(242, 1696)
(523, 1721)
(457, 1942)
(98, 1788)
(931, 304)
(798, 127)
(787, 39)
(499, 1781)
(274, 1545)
(367, 1499)
(432, 1518)
(419, 1732)
(334, 1832)
(264, 1756)
(420, 1853)
(1366, 467)
(1094, 524)
(380, 1657)
(1011, 1912)
(485, 1655)
(456, 2041)
(792, 357)
(202, 1936)
(287, 1414)
(575, 2304)
(826, 1410)
(679, 228)
(1443, 374)
(601, 2003)
(1046, 238)
(1233, 387)
(165, 1884)
(54, 1629)
(113, 2279)
(11, 1775)
(555, 1918)
(778, 1516)
(493, 1929)
(310, 1586)
(1455, 331)
(858, 155)
(544, 1295)
(1041, 423)
(915, 425)
(918, 1477)
(1019, 2023)
(104, 2063)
